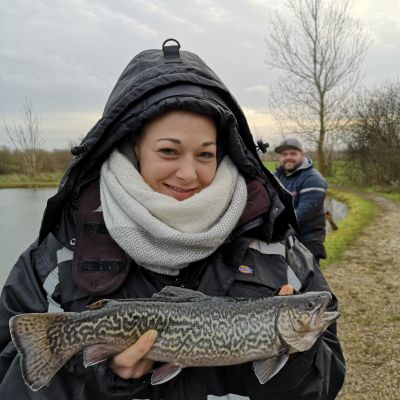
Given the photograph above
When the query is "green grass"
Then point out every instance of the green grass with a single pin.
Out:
(361, 214)
(340, 175)
(26, 181)
(271, 165)
(392, 196)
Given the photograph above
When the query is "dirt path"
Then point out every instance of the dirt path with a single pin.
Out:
(367, 283)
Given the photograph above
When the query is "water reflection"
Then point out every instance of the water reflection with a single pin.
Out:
(337, 209)
(21, 211)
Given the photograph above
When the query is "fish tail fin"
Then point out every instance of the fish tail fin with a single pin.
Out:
(39, 339)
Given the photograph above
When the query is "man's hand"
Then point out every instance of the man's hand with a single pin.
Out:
(130, 363)
(286, 290)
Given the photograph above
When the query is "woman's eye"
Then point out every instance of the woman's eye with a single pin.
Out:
(207, 154)
(167, 152)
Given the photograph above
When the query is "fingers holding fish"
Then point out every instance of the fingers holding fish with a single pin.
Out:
(137, 370)
(130, 363)
(286, 290)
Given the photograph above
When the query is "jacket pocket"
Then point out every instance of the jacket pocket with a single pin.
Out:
(261, 272)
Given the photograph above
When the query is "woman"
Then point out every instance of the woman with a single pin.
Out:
(166, 189)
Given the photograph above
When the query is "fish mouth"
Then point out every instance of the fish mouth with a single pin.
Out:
(330, 316)
(323, 318)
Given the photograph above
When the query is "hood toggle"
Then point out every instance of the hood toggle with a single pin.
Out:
(262, 146)
(77, 151)
(171, 53)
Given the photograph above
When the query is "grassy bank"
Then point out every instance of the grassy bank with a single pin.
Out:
(26, 181)
(271, 165)
(361, 214)
(392, 196)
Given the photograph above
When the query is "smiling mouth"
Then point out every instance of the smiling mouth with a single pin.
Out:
(180, 190)
(180, 193)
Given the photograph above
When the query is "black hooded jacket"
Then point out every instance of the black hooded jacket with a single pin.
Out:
(48, 277)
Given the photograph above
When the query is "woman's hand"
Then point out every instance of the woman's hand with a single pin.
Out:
(130, 364)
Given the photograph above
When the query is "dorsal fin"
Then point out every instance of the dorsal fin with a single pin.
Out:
(179, 294)
(167, 293)
(98, 304)
(107, 303)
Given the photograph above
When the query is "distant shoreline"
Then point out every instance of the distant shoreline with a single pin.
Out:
(32, 185)
(21, 181)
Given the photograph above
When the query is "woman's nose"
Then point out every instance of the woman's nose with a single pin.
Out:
(186, 170)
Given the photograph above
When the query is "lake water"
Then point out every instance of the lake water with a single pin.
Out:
(21, 212)
(337, 209)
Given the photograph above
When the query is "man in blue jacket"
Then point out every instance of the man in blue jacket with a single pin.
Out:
(308, 188)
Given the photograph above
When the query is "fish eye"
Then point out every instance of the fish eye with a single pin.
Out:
(310, 305)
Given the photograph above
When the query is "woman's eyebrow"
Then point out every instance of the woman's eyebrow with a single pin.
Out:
(177, 141)
(170, 139)
(208, 144)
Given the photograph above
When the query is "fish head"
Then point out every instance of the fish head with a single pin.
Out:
(303, 318)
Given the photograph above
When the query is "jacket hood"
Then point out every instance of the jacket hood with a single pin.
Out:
(307, 163)
(154, 82)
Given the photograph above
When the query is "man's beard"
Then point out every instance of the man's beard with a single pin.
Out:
(290, 167)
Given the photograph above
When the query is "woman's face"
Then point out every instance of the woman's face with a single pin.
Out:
(177, 153)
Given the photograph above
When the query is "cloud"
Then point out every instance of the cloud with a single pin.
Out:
(61, 129)
(66, 55)
(46, 70)
(73, 126)
(262, 124)
(264, 89)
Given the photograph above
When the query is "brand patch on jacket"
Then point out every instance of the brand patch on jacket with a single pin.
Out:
(245, 269)
(116, 266)
(94, 228)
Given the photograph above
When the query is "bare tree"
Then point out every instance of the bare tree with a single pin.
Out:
(319, 48)
(27, 138)
(374, 135)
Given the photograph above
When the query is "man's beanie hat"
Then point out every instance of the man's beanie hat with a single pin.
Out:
(289, 143)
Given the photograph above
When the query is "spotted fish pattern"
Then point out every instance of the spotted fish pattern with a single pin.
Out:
(193, 330)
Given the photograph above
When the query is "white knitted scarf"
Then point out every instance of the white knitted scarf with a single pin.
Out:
(159, 232)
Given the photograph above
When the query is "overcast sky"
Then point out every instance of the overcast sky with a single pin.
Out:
(65, 55)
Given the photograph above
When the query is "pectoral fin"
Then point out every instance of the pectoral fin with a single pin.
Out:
(164, 373)
(266, 369)
(98, 353)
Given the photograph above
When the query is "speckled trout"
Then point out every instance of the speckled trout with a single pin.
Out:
(193, 330)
